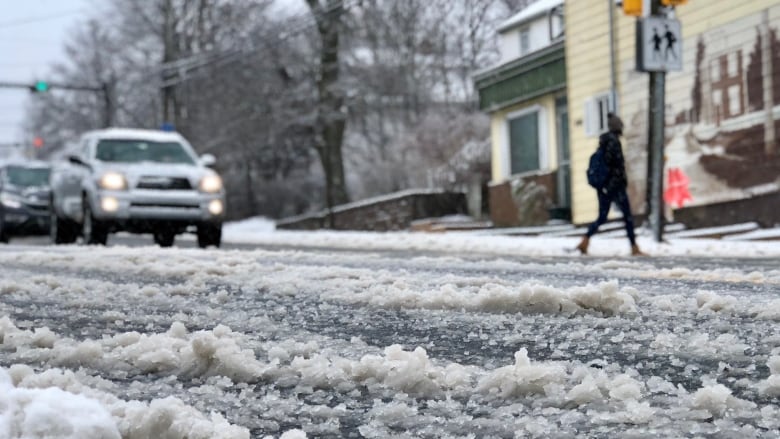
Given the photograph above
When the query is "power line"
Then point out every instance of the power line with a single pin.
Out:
(219, 57)
(30, 20)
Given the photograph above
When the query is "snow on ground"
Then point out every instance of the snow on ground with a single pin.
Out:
(409, 335)
(262, 232)
(54, 404)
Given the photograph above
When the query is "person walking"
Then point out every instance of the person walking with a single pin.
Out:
(613, 187)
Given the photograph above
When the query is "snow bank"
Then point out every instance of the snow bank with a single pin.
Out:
(51, 413)
(771, 386)
(176, 352)
(699, 345)
(55, 405)
(236, 230)
(605, 298)
(523, 378)
(768, 311)
(716, 399)
(561, 382)
(471, 243)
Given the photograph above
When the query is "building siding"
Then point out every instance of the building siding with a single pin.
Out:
(728, 35)
(587, 74)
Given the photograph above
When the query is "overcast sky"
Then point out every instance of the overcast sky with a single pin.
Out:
(32, 36)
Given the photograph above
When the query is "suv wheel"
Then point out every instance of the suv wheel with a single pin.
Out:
(3, 231)
(209, 234)
(164, 238)
(61, 231)
(94, 231)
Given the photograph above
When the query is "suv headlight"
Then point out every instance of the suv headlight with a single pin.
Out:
(210, 184)
(11, 201)
(113, 181)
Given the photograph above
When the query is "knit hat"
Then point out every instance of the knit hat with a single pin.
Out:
(614, 123)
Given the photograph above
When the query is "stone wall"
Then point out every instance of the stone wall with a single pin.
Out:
(391, 212)
(517, 202)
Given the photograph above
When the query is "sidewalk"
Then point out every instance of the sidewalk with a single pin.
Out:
(614, 229)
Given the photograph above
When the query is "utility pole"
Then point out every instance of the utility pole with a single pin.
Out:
(658, 50)
(170, 105)
(655, 159)
(108, 105)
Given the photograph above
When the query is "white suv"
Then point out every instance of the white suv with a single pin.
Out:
(139, 181)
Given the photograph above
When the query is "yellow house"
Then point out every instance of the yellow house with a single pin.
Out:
(525, 95)
(722, 109)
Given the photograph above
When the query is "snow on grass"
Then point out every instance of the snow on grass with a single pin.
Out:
(250, 226)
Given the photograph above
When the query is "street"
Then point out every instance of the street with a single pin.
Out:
(399, 343)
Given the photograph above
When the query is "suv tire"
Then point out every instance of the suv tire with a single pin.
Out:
(3, 232)
(61, 230)
(209, 234)
(93, 231)
(164, 238)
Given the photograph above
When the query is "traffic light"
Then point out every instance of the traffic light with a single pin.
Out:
(632, 7)
(40, 87)
(38, 142)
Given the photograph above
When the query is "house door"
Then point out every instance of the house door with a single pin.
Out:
(564, 162)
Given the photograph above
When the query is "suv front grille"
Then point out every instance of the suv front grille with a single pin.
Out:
(164, 183)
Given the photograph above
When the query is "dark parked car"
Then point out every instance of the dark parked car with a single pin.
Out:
(24, 199)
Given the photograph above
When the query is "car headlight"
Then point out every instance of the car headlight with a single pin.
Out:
(11, 201)
(112, 181)
(210, 184)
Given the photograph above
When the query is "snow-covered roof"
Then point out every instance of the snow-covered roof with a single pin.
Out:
(136, 133)
(27, 163)
(540, 7)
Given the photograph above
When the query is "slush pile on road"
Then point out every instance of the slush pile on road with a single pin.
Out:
(142, 343)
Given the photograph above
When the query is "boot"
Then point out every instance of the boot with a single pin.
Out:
(635, 251)
(583, 246)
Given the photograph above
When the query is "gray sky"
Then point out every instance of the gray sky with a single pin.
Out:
(32, 35)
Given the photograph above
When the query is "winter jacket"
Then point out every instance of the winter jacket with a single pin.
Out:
(613, 156)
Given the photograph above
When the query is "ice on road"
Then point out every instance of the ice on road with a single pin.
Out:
(378, 340)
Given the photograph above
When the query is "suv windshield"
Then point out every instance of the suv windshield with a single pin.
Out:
(27, 177)
(136, 151)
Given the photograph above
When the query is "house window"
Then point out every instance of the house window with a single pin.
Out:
(525, 41)
(524, 142)
(596, 110)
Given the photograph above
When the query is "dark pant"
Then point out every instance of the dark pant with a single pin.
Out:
(619, 197)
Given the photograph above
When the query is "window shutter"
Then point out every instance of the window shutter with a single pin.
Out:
(590, 117)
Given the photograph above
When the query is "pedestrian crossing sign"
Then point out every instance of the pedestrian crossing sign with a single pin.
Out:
(658, 45)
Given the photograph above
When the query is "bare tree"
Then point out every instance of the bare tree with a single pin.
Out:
(60, 115)
(331, 116)
(352, 85)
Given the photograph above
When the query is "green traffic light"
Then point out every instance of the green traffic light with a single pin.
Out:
(41, 86)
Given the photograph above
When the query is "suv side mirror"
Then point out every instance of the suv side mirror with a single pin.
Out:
(208, 160)
(76, 160)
